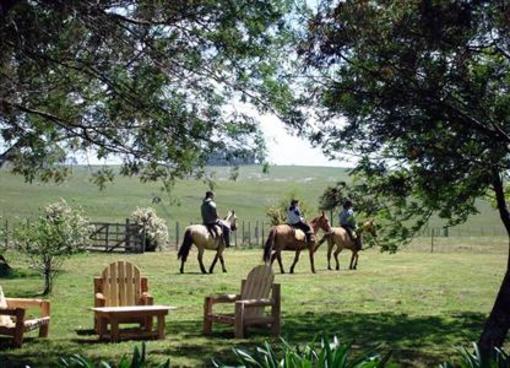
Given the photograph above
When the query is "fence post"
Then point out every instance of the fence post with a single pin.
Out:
(432, 241)
(107, 235)
(6, 234)
(242, 237)
(128, 237)
(257, 238)
(445, 232)
(249, 233)
(235, 238)
(177, 235)
(262, 233)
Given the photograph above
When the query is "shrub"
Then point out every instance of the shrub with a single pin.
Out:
(326, 353)
(473, 359)
(138, 360)
(53, 237)
(156, 231)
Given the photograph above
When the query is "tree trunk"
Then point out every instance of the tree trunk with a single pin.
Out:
(498, 323)
(47, 283)
(47, 276)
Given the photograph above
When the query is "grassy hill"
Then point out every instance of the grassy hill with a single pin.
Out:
(250, 195)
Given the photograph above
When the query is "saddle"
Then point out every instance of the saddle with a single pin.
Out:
(214, 230)
(299, 234)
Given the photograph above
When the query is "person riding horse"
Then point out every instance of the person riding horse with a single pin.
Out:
(210, 218)
(296, 220)
(348, 222)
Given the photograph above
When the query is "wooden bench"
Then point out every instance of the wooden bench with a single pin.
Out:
(116, 315)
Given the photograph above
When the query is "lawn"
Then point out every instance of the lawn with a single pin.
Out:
(419, 305)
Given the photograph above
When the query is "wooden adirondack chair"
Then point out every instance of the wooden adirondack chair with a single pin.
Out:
(257, 291)
(17, 326)
(121, 285)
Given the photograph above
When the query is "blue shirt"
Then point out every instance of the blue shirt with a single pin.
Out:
(346, 217)
(294, 215)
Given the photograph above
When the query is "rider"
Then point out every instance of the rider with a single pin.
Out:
(210, 218)
(348, 222)
(296, 220)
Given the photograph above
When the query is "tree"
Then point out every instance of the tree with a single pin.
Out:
(424, 90)
(150, 82)
(52, 238)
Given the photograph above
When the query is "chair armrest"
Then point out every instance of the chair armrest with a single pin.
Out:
(224, 298)
(99, 300)
(147, 299)
(256, 302)
(24, 303)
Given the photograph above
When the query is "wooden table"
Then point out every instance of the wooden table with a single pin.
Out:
(116, 315)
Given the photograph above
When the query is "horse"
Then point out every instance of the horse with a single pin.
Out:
(340, 238)
(202, 238)
(285, 237)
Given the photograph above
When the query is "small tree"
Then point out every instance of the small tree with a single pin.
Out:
(52, 238)
(156, 231)
(277, 213)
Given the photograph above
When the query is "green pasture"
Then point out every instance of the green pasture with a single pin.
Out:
(250, 195)
(417, 304)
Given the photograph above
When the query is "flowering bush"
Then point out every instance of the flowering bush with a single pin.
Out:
(54, 236)
(156, 231)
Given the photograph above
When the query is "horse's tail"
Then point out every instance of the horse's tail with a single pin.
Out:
(187, 242)
(268, 247)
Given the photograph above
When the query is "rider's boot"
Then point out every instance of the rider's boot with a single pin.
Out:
(226, 238)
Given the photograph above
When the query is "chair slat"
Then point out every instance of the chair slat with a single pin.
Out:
(137, 281)
(114, 289)
(130, 285)
(258, 286)
(122, 283)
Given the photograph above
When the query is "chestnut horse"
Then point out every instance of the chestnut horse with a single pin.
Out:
(339, 238)
(285, 237)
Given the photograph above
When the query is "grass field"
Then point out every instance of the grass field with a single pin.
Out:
(250, 195)
(419, 305)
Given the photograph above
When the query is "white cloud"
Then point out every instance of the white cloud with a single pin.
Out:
(287, 149)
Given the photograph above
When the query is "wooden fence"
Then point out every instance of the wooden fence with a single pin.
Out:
(109, 237)
(250, 233)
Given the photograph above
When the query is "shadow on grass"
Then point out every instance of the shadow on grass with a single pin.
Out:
(414, 340)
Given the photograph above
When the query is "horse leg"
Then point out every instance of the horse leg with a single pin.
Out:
(312, 265)
(222, 262)
(211, 269)
(200, 260)
(352, 261)
(336, 259)
(279, 258)
(330, 250)
(356, 261)
(273, 257)
(296, 259)
(182, 267)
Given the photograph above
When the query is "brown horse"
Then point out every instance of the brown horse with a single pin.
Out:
(339, 238)
(285, 237)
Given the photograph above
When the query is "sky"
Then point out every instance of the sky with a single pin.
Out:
(283, 147)
(287, 149)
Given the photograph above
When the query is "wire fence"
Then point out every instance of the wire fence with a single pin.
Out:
(253, 233)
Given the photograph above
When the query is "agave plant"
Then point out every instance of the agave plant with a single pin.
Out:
(474, 359)
(138, 360)
(330, 354)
